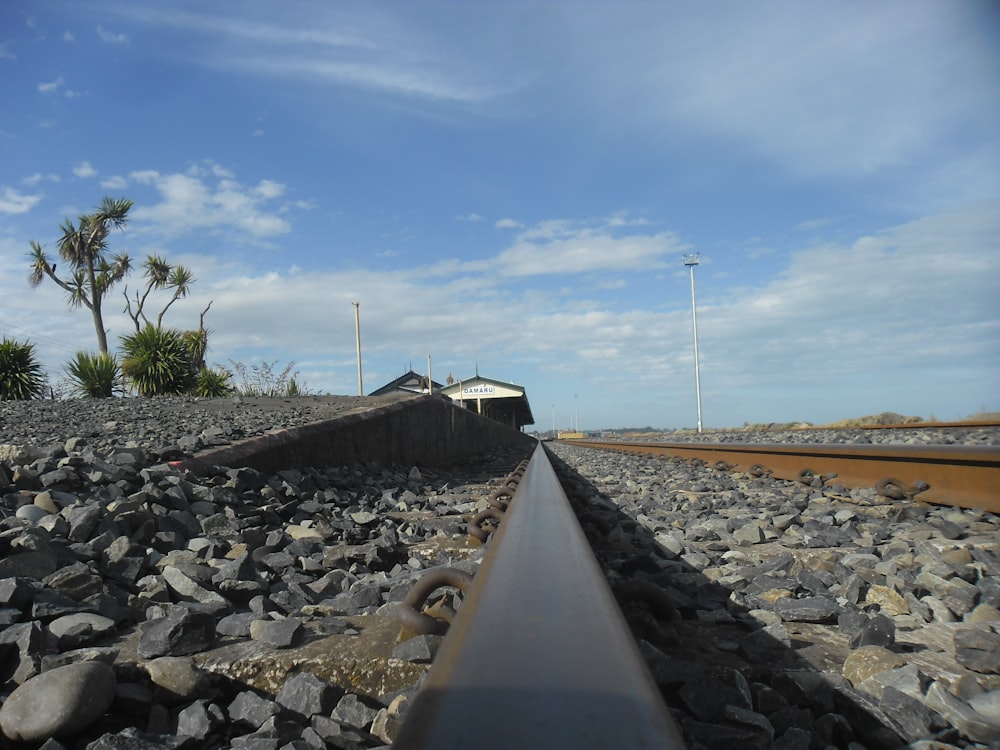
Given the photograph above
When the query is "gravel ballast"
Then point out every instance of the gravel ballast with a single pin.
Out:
(230, 609)
(803, 619)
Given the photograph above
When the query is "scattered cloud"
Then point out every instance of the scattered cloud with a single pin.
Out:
(807, 226)
(51, 87)
(110, 37)
(5, 52)
(13, 202)
(760, 251)
(84, 170)
(363, 49)
(115, 182)
(209, 197)
(68, 36)
(56, 88)
(39, 177)
(570, 247)
(508, 224)
(469, 217)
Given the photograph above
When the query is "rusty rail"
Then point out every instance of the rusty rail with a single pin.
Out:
(539, 655)
(966, 476)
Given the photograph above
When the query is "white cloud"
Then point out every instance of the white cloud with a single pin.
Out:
(469, 217)
(51, 87)
(362, 48)
(115, 182)
(806, 226)
(84, 170)
(587, 251)
(843, 90)
(39, 177)
(508, 224)
(5, 53)
(68, 36)
(210, 198)
(111, 37)
(56, 88)
(13, 202)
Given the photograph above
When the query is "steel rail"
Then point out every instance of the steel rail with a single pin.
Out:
(966, 476)
(539, 655)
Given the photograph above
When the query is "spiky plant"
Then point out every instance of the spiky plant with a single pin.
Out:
(157, 362)
(95, 375)
(213, 383)
(21, 377)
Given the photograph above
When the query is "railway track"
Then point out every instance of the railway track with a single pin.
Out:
(964, 476)
(749, 641)
(728, 608)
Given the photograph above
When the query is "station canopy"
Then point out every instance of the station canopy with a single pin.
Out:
(494, 399)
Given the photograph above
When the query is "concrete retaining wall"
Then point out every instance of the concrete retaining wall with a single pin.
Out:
(427, 430)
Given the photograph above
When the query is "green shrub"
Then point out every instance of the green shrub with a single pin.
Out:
(213, 384)
(262, 381)
(95, 375)
(158, 362)
(21, 377)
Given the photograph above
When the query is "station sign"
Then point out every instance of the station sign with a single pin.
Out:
(478, 390)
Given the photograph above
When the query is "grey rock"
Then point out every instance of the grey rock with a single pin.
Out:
(177, 679)
(74, 696)
(237, 625)
(306, 694)
(879, 630)
(978, 649)
(189, 588)
(133, 739)
(352, 711)
(181, 632)
(198, 719)
(251, 709)
(978, 727)
(912, 718)
(420, 649)
(282, 633)
(809, 609)
(768, 644)
(78, 629)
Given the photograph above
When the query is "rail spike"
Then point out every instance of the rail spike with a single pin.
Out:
(894, 489)
(410, 612)
(476, 527)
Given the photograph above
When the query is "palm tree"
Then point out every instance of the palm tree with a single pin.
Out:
(85, 247)
(159, 275)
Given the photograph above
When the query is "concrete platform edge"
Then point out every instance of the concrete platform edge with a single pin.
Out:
(428, 430)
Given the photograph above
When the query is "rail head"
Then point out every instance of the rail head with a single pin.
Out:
(539, 655)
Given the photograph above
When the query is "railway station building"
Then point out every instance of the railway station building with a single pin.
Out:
(494, 399)
(410, 382)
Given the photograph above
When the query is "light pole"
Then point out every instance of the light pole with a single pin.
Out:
(357, 331)
(577, 397)
(691, 261)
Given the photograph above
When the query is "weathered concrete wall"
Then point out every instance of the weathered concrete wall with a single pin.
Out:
(428, 430)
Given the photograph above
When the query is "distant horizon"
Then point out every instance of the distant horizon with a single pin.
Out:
(513, 188)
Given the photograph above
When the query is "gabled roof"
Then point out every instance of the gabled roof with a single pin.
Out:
(410, 381)
(507, 400)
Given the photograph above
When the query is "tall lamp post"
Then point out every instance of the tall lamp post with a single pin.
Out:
(357, 332)
(691, 261)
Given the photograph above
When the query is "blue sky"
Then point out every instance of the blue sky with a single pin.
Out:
(513, 186)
